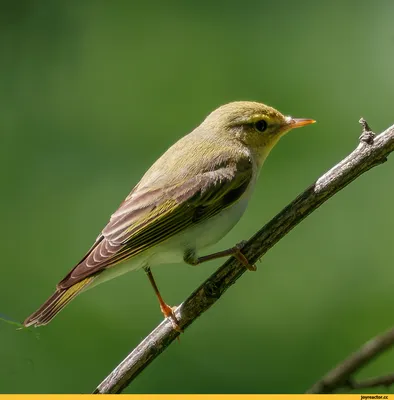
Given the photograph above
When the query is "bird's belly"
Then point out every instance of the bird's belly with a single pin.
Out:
(198, 237)
(211, 231)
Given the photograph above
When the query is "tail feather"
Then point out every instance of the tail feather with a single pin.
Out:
(56, 303)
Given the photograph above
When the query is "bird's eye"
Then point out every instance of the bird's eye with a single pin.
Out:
(260, 126)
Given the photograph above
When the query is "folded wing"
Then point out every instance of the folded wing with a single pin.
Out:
(150, 216)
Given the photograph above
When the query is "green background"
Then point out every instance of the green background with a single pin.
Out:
(92, 92)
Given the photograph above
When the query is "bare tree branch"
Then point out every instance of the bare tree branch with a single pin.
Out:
(341, 375)
(385, 380)
(370, 152)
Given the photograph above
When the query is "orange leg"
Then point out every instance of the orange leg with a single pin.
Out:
(164, 307)
(233, 251)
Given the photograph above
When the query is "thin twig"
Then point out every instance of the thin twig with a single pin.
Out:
(370, 152)
(385, 380)
(341, 375)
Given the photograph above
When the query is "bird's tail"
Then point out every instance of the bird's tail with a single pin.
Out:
(56, 303)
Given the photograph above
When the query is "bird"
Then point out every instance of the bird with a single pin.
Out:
(188, 200)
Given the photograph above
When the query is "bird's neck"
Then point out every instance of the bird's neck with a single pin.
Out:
(259, 155)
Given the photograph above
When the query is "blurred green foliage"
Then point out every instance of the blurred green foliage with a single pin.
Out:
(92, 92)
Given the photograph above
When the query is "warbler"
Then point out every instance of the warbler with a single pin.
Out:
(190, 198)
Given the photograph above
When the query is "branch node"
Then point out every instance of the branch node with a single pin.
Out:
(349, 383)
(367, 135)
(212, 290)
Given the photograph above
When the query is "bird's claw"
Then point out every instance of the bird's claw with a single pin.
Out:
(241, 258)
(169, 312)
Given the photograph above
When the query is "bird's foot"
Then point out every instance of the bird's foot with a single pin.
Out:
(240, 256)
(169, 313)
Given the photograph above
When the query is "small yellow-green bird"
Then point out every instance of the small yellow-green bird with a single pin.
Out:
(190, 198)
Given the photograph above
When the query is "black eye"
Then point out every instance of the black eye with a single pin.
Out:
(260, 126)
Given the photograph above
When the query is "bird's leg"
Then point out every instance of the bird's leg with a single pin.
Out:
(164, 307)
(235, 251)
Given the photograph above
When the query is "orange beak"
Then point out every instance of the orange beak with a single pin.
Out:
(299, 122)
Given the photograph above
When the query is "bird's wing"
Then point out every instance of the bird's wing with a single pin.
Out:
(150, 216)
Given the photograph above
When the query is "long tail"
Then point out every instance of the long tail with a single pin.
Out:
(56, 303)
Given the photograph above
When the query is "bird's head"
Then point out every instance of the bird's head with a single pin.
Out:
(257, 126)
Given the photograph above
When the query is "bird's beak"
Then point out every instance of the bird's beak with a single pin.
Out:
(299, 122)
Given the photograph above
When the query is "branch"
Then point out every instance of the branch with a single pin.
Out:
(370, 152)
(385, 380)
(340, 376)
